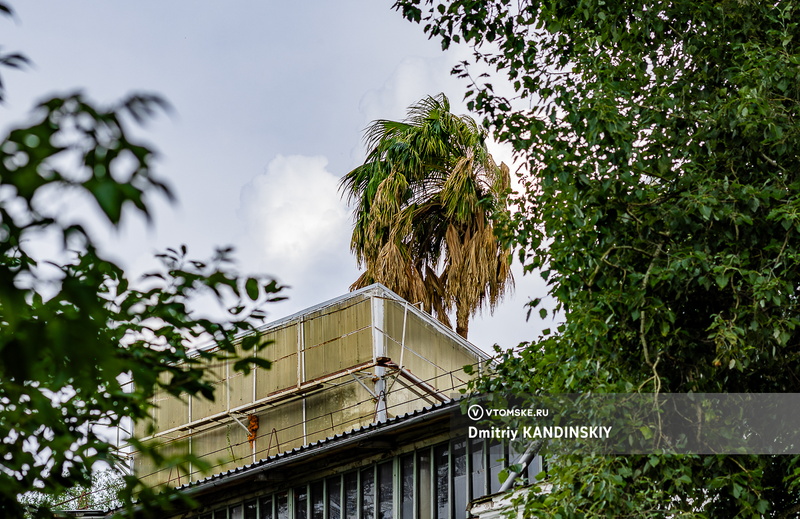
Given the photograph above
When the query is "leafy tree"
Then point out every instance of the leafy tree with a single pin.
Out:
(425, 196)
(101, 494)
(73, 330)
(662, 205)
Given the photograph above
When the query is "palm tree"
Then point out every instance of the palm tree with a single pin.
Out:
(424, 201)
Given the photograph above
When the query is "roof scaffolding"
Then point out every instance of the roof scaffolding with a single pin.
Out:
(359, 359)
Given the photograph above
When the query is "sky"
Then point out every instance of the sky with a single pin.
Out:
(269, 100)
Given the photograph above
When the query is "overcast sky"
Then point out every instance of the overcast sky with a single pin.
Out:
(270, 101)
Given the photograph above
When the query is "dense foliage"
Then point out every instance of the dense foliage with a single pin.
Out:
(424, 201)
(101, 494)
(662, 205)
(82, 349)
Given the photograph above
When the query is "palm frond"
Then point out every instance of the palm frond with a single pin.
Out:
(423, 202)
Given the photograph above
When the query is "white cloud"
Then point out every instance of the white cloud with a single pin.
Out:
(298, 228)
(414, 78)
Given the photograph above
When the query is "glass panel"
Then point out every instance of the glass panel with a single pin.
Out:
(478, 461)
(424, 483)
(534, 468)
(407, 486)
(440, 459)
(351, 494)
(368, 493)
(301, 502)
(207, 516)
(317, 502)
(237, 512)
(460, 479)
(495, 466)
(334, 497)
(266, 507)
(386, 490)
(282, 507)
(514, 456)
(251, 510)
(222, 513)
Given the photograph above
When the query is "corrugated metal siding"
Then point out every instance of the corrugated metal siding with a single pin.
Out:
(345, 406)
(280, 428)
(170, 411)
(283, 354)
(224, 447)
(146, 469)
(337, 339)
(240, 386)
(430, 355)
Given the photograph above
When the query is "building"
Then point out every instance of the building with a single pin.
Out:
(359, 416)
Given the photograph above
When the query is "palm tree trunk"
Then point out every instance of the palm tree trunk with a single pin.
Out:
(462, 319)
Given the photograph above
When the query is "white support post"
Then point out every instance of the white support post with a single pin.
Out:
(191, 436)
(379, 349)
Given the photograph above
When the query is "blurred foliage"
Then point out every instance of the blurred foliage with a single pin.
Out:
(661, 203)
(101, 494)
(81, 348)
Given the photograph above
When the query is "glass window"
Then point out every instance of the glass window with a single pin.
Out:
(460, 479)
(441, 458)
(334, 488)
(386, 490)
(206, 516)
(222, 513)
(317, 500)
(368, 493)
(251, 510)
(437, 482)
(351, 494)
(301, 502)
(282, 508)
(477, 468)
(534, 468)
(515, 452)
(265, 506)
(407, 486)
(424, 483)
(496, 459)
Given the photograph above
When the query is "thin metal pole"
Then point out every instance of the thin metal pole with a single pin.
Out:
(379, 350)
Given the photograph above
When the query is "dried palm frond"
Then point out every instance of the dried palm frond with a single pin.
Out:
(424, 200)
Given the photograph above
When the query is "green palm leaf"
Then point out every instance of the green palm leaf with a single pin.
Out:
(423, 206)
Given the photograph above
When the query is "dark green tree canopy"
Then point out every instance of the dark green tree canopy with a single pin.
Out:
(662, 199)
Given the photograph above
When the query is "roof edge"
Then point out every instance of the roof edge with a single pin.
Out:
(378, 289)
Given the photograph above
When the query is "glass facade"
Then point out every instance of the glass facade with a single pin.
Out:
(437, 481)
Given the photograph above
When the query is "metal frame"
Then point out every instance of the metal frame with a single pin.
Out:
(270, 399)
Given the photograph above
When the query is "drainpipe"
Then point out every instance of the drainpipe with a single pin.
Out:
(530, 453)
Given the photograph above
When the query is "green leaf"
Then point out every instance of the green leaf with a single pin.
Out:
(252, 288)
(658, 193)
(246, 364)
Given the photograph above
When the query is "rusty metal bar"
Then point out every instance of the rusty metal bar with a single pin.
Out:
(418, 382)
